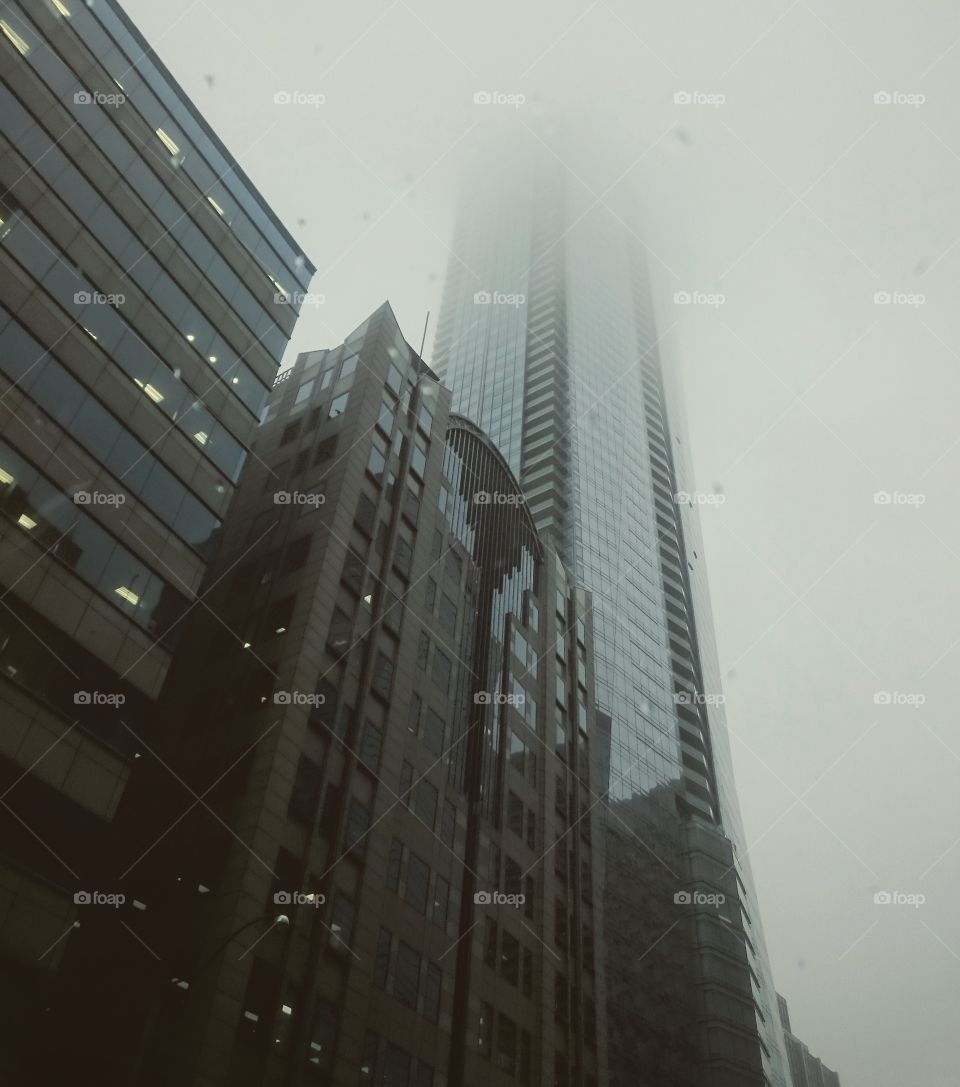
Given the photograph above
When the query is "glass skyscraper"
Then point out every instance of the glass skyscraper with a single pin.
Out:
(147, 293)
(548, 340)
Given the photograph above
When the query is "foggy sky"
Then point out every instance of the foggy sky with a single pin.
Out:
(797, 198)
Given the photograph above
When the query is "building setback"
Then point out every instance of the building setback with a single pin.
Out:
(806, 1070)
(141, 327)
(393, 692)
(547, 337)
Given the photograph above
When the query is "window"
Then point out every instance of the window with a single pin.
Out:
(510, 958)
(357, 825)
(330, 812)
(297, 554)
(413, 715)
(306, 790)
(326, 378)
(406, 782)
(382, 676)
(366, 515)
(323, 1035)
(303, 393)
(353, 570)
(418, 880)
(290, 431)
(377, 460)
(394, 861)
(260, 1002)
(426, 805)
(448, 614)
(418, 458)
(485, 1029)
(396, 1067)
(423, 651)
(433, 733)
(368, 1057)
(507, 1044)
(338, 405)
(370, 744)
(441, 671)
(381, 962)
(325, 450)
(341, 923)
(432, 985)
(349, 365)
(515, 814)
(403, 555)
(394, 380)
(527, 972)
(441, 901)
(448, 823)
(406, 982)
(385, 417)
(338, 637)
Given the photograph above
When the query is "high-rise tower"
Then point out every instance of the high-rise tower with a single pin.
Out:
(548, 340)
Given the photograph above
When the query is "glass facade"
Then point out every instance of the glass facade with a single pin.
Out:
(558, 360)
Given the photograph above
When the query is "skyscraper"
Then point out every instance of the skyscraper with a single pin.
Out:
(144, 287)
(548, 341)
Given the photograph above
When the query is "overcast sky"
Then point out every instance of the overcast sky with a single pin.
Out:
(785, 188)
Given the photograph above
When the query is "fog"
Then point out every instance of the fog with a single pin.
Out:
(800, 164)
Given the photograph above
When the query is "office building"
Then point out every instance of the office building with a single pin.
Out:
(143, 282)
(806, 1070)
(548, 340)
(392, 695)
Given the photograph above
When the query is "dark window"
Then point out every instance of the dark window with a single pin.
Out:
(278, 616)
(433, 733)
(448, 823)
(507, 1044)
(290, 431)
(324, 713)
(454, 566)
(381, 963)
(306, 790)
(418, 880)
(396, 1067)
(426, 803)
(394, 380)
(353, 571)
(370, 744)
(368, 1057)
(357, 825)
(510, 958)
(341, 923)
(448, 614)
(527, 972)
(432, 984)
(394, 861)
(424, 1075)
(413, 717)
(338, 405)
(490, 943)
(406, 782)
(515, 814)
(423, 651)
(441, 901)
(297, 554)
(341, 628)
(441, 671)
(325, 450)
(366, 515)
(323, 1035)
(382, 676)
(260, 1003)
(406, 982)
(402, 557)
(330, 813)
(485, 1029)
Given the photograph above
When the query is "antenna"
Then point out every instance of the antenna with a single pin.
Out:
(424, 340)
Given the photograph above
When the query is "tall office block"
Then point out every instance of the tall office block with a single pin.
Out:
(548, 340)
(388, 712)
(141, 326)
